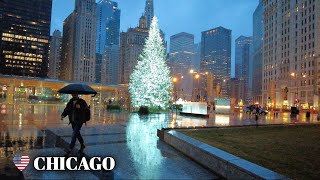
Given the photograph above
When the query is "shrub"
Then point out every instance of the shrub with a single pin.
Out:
(177, 106)
(144, 110)
(113, 107)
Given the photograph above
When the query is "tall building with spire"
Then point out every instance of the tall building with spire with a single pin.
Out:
(132, 43)
(149, 12)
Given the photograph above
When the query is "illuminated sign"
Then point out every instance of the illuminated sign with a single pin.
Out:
(222, 105)
(195, 108)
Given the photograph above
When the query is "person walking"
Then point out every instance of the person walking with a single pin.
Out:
(257, 114)
(75, 110)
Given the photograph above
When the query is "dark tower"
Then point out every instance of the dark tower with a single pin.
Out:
(24, 37)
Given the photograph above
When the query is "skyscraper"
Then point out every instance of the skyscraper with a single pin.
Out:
(216, 57)
(242, 60)
(181, 56)
(291, 53)
(85, 41)
(197, 56)
(81, 52)
(257, 58)
(149, 12)
(108, 24)
(55, 55)
(108, 31)
(67, 50)
(98, 68)
(24, 37)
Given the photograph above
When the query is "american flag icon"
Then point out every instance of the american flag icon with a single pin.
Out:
(21, 162)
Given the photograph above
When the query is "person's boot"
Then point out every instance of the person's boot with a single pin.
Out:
(68, 154)
(82, 148)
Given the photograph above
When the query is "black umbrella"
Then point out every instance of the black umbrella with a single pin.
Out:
(77, 89)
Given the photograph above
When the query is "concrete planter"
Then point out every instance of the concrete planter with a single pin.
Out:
(225, 164)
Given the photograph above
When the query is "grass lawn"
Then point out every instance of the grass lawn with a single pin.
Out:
(293, 151)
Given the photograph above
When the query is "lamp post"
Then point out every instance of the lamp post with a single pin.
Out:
(174, 80)
(192, 72)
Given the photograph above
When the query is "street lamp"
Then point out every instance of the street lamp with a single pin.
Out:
(174, 80)
(197, 76)
(295, 76)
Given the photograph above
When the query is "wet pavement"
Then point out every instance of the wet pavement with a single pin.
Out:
(36, 130)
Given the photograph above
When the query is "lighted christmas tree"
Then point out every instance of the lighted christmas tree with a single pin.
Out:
(150, 83)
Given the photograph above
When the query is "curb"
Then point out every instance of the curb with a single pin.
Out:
(223, 163)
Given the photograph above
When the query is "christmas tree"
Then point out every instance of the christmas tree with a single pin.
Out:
(150, 83)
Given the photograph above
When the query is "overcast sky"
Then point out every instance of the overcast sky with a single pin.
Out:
(192, 16)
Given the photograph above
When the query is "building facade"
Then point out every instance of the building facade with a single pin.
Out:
(181, 56)
(55, 55)
(197, 56)
(109, 65)
(216, 57)
(242, 64)
(24, 37)
(79, 43)
(237, 89)
(99, 68)
(291, 52)
(131, 45)
(257, 53)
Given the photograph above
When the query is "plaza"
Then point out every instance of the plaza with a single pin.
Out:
(36, 130)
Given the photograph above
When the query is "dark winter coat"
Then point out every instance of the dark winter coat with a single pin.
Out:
(75, 111)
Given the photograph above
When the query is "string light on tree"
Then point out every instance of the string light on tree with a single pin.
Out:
(150, 83)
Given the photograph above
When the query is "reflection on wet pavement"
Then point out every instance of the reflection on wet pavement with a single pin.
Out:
(131, 139)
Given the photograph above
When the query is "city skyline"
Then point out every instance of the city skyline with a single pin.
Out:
(184, 19)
